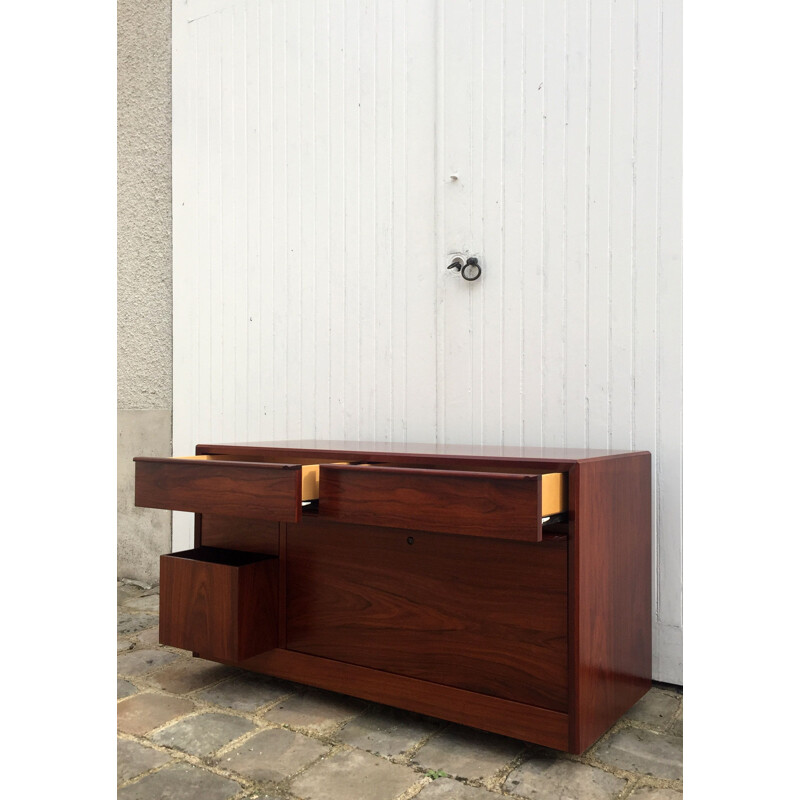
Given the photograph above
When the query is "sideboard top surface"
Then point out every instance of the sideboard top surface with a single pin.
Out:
(363, 450)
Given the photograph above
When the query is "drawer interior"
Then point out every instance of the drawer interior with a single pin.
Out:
(220, 556)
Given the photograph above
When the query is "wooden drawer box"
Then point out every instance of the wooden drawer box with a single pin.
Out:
(242, 487)
(495, 504)
(221, 604)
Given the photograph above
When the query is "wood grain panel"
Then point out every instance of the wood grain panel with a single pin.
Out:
(485, 615)
(610, 594)
(249, 490)
(469, 503)
(221, 604)
(411, 453)
(529, 723)
(233, 533)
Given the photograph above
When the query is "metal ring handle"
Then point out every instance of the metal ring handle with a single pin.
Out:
(471, 265)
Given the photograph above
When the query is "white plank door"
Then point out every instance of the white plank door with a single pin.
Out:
(332, 155)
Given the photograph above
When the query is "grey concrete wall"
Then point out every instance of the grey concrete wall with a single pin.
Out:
(144, 272)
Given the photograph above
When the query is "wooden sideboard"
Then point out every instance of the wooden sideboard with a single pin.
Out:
(420, 576)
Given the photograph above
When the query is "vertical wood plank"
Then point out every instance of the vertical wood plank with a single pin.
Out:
(554, 324)
(422, 259)
(221, 294)
(223, 297)
(512, 264)
(238, 169)
(491, 205)
(352, 244)
(474, 235)
(294, 102)
(337, 223)
(322, 143)
(398, 359)
(532, 212)
(211, 408)
(622, 188)
(598, 290)
(455, 179)
(385, 258)
(364, 267)
(251, 344)
(576, 213)
(645, 253)
(262, 342)
(670, 326)
(305, 190)
(279, 335)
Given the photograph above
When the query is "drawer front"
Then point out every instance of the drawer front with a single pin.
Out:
(229, 488)
(485, 615)
(495, 505)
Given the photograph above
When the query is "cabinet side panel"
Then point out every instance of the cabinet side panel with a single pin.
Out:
(610, 586)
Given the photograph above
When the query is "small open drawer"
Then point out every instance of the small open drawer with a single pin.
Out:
(221, 604)
(228, 485)
(508, 503)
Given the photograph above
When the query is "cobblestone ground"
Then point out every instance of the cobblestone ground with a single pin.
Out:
(190, 728)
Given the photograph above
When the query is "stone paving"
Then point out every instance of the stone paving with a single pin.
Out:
(189, 728)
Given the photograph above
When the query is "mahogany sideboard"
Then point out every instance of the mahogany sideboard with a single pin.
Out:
(502, 588)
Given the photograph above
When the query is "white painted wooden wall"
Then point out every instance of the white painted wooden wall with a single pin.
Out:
(329, 155)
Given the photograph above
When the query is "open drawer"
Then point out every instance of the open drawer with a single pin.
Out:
(221, 604)
(503, 504)
(231, 486)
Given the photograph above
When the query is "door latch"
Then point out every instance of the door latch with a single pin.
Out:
(470, 269)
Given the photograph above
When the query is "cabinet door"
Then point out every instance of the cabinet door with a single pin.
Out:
(486, 615)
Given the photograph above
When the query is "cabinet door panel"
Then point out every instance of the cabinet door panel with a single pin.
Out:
(486, 615)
